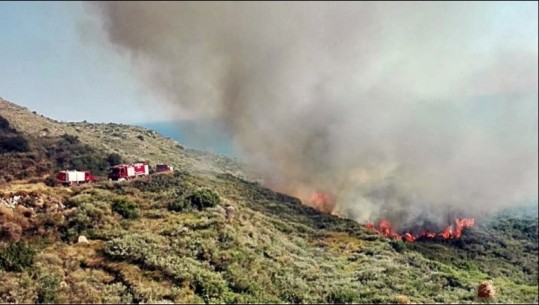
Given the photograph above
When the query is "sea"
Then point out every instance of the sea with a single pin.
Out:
(204, 135)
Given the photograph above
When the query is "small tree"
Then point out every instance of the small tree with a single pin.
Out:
(4, 124)
(114, 159)
(70, 139)
(13, 144)
(203, 198)
(16, 257)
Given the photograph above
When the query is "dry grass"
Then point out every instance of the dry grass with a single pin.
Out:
(26, 186)
(402, 299)
(340, 242)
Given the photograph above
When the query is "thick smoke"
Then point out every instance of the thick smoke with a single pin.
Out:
(397, 110)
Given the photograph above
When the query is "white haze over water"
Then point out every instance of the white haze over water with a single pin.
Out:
(403, 110)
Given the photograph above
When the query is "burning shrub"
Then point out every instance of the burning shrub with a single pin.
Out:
(16, 257)
(203, 198)
(125, 208)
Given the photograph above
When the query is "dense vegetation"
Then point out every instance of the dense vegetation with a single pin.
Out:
(273, 249)
(10, 140)
(47, 155)
(205, 237)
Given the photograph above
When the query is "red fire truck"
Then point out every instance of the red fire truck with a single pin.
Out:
(124, 172)
(163, 168)
(74, 177)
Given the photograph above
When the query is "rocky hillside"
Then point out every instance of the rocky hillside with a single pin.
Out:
(131, 142)
(208, 234)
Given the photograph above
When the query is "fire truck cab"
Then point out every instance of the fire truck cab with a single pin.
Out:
(163, 168)
(124, 172)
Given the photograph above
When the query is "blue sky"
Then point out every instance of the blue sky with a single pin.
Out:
(50, 65)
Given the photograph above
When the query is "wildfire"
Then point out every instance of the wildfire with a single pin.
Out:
(322, 202)
(326, 204)
(450, 232)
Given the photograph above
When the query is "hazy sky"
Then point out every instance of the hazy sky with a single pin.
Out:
(396, 110)
(54, 61)
(416, 105)
(49, 64)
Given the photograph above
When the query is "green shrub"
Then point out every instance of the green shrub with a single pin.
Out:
(70, 139)
(13, 144)
(51, 181)
(158, 183)
(16, 257)
(209, 285)
(4, 124)
(89, 161)
(48, 292)
(69, 153)
(135, 248)
(177, 205)
(88, 216)
(291, 295)
(237, 281)
(342, 296)
(114, 159)
(125, 208)
(203, 198)
(398, 245)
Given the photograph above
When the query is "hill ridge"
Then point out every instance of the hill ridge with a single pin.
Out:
(120, 138)
(209, 234)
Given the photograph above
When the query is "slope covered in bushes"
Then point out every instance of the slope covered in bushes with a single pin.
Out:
(207, 234)
(270, 249)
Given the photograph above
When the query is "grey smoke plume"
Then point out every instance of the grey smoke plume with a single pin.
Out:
(395, 110)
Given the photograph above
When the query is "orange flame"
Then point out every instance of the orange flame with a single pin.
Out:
(326, 204)
(461, 223)
(385, 229)
(322, 202)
